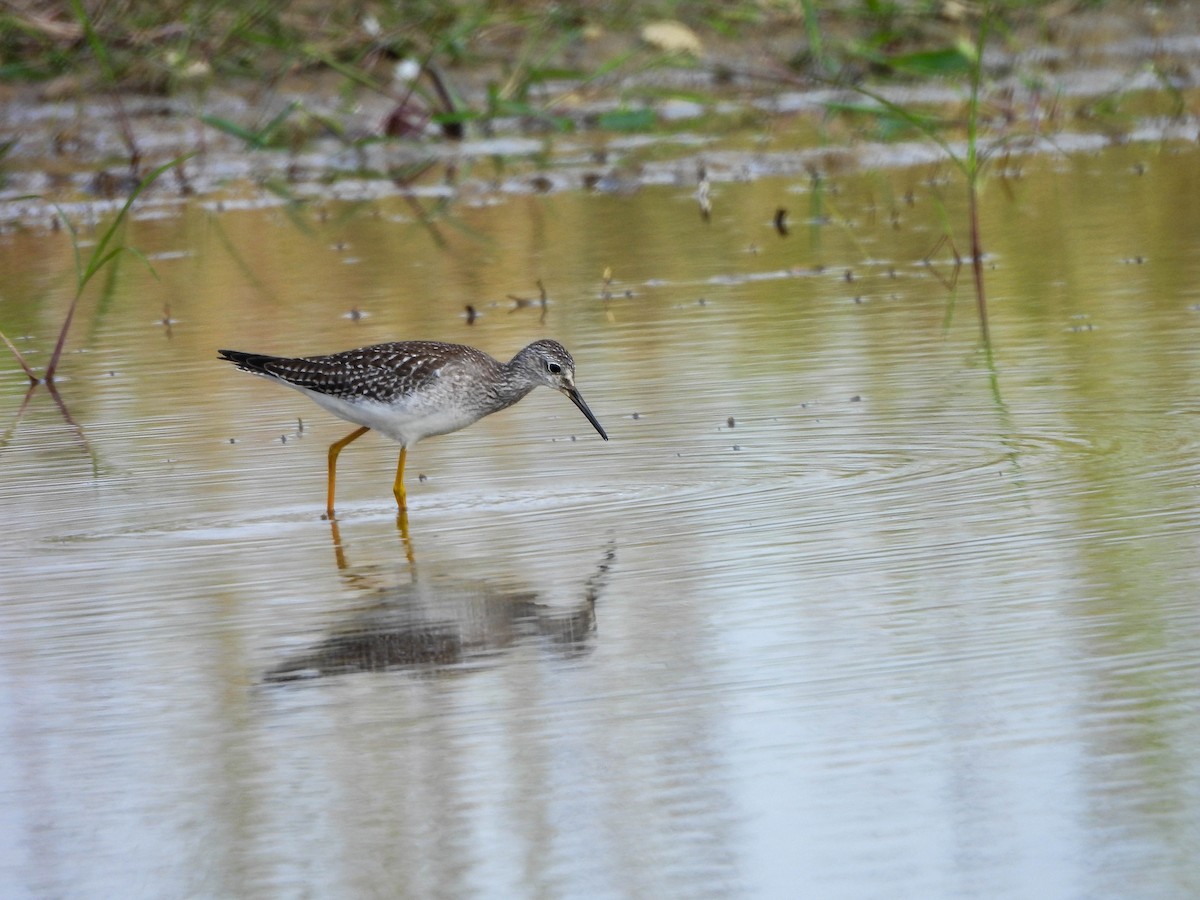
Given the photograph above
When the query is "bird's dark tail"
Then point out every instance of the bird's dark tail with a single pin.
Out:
(247, 362)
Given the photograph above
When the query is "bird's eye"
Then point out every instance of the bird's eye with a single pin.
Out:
(553, 368)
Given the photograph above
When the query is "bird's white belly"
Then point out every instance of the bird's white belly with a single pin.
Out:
(406, 422)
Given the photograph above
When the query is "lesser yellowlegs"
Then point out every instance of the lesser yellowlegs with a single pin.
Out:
(411, 390)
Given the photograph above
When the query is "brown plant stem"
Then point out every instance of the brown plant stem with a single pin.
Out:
(977, 265)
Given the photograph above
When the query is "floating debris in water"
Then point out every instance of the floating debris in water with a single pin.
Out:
(471, 314)
(166, 321)
(406, 120)
(702, 194)
(729, 421)
(354, 314)
(671, 36)
(542, 301)
(781, 222)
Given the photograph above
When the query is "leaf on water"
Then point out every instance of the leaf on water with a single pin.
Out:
(551, 73)
(956, 60)
(627, 120)
(892, 122)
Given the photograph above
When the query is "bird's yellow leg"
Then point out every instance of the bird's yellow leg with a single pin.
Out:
(398, 487)
(334, 449)
(402, 527)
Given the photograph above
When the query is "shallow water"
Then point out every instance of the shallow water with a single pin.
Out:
(844, 607)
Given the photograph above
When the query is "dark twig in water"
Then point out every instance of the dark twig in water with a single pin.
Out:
(29, 372)
(62, 408)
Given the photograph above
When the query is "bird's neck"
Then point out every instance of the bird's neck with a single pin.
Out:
(509, 389)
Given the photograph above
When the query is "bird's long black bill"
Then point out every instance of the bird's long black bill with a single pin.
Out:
(583, 408)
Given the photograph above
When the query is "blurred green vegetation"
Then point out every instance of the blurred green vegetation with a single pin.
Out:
(148, 45)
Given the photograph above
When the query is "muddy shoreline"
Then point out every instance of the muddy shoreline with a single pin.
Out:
(1078, 81)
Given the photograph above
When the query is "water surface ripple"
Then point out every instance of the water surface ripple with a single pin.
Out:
(845, 606)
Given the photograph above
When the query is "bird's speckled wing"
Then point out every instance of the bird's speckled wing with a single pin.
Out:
(384, 372)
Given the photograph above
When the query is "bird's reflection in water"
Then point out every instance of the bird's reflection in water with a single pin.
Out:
(431, 624)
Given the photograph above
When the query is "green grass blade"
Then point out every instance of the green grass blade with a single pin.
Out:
(947, 62)
(268, 132)
(812, 31)
(100, 257)
(233, 129)
(93, 39)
